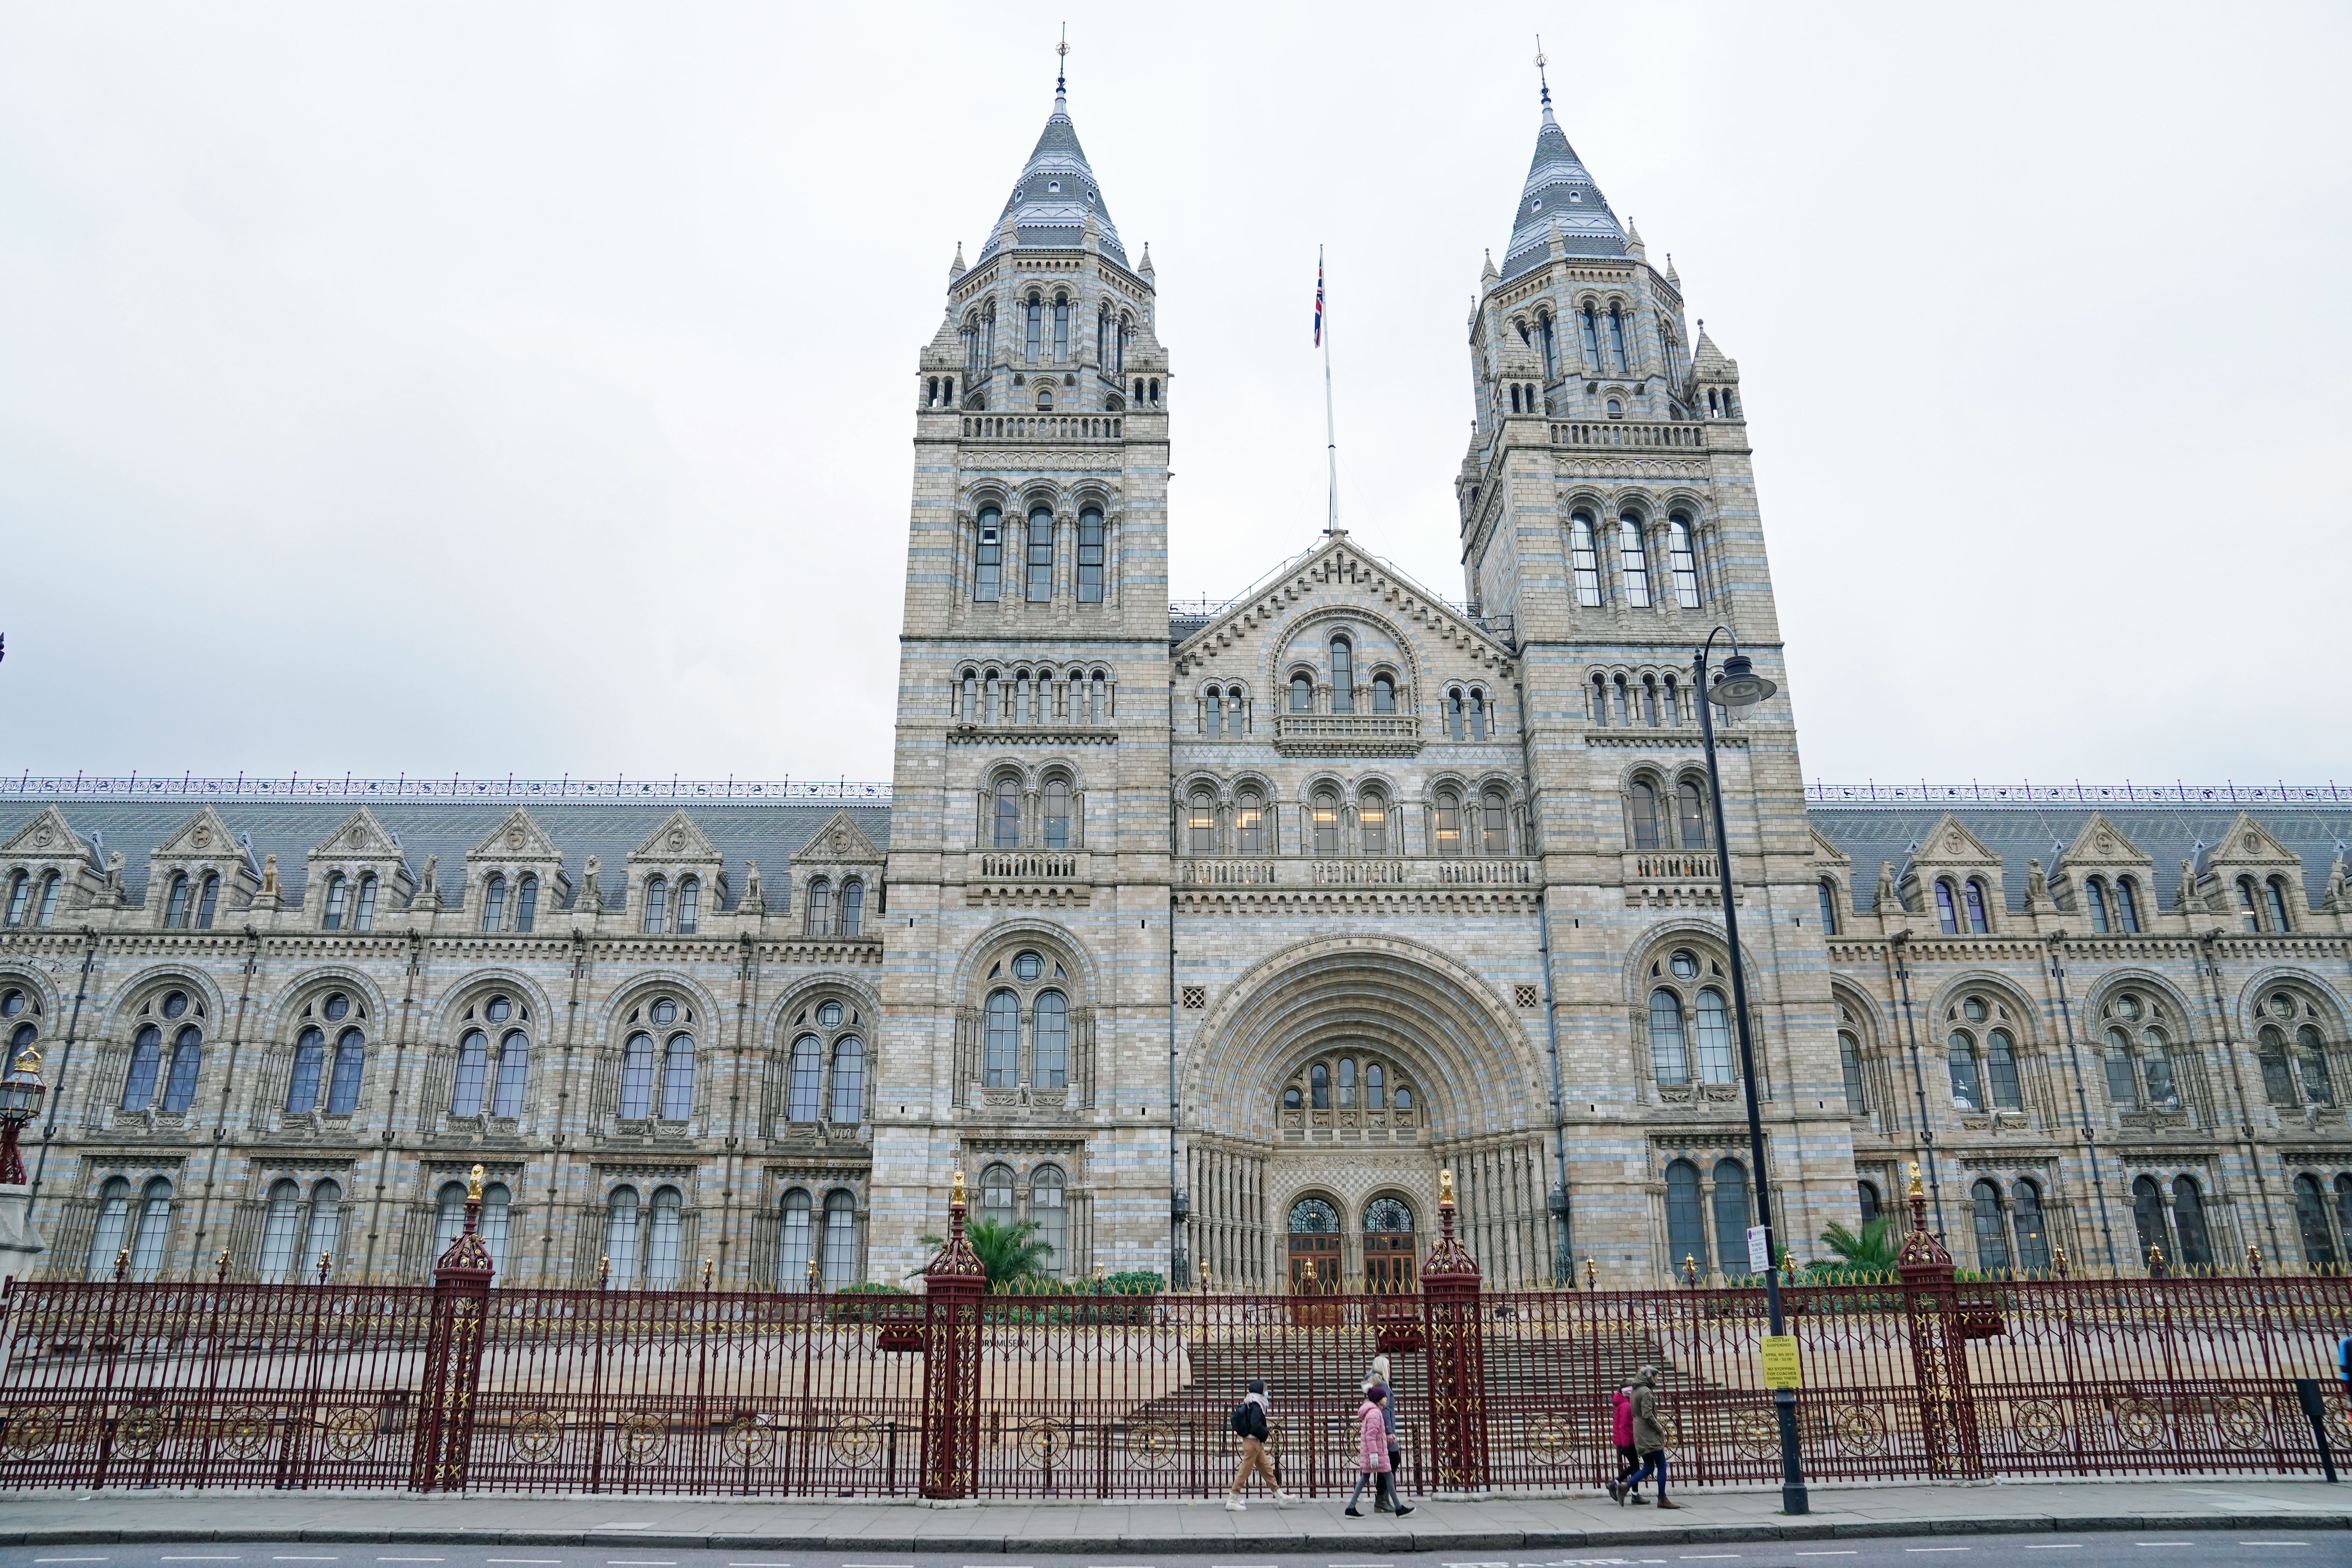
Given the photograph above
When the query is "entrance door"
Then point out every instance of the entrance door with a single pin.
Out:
(1314, 1248)
(1390, 1259)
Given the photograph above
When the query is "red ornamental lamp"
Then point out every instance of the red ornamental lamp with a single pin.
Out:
(21, 1093)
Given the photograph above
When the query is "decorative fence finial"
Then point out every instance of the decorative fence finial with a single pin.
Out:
(2058, 1263)
(474, 1185)
(955, 1197)
(123, 1263)
(220, 1266)
(604, 1271)
(2155, 1261)
(1591, 1273)
(326, 1265)
(1690, 1269)
(1445, 1188)
(706, 1274)
(2253, 1260)
(812, 1276)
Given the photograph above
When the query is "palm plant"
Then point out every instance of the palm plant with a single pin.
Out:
(1006, 1251)
(1875, 1250)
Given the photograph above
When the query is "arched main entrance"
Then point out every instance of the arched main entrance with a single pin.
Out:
(1314, 1248)
(1390, 1252)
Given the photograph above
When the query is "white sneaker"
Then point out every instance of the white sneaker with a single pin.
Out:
(1281, 1496)
(1235, 1505)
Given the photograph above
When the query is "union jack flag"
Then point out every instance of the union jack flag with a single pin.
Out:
(1318, 301)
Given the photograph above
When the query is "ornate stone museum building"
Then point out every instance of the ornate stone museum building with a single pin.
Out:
(1205, 939)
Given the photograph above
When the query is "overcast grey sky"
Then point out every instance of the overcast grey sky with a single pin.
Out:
(526, 388)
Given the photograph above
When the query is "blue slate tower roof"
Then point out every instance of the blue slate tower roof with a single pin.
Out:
(1560, 190)
(1056, 189)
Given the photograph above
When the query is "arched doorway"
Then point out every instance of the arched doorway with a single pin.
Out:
(1314, 1248)
(1390, 1256)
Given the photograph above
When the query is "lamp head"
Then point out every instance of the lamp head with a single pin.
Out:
(1739, 686)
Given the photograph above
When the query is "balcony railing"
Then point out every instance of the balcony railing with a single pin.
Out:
(1357, 734)
(1042, 427)
(1030, 866)
(1682, 437)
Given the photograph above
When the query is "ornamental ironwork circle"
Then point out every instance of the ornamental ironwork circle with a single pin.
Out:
(2040, 1425)
(1858, 1430)
(243, 1435)
(350, 1433)
(1152, 1442)
(1043, 1442)
(535, 1434)
(855, 1440)
(1755, 1433)
(28, 1435)
(749, 1441)
(138, 1435)
(2239, 1420)
(640, 1438)
(2140, 1423)
(1550, 1440)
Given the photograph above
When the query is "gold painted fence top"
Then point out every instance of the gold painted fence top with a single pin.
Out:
(1780, 1358)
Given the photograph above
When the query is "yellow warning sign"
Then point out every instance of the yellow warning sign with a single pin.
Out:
(1779, 1356)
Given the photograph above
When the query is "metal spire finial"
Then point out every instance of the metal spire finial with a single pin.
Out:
(1541, 79)
(1061, 67)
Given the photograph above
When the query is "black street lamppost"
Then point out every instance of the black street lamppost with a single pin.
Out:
(1741, 687)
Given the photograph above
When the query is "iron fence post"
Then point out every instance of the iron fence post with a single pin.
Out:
(1939, 1349)
(453, 1356)
(953, 1287)
(1457, 1358)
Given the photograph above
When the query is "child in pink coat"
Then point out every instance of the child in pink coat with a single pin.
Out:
(1372, 1455)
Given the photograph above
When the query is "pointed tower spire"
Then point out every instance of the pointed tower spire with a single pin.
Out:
(1558, 187)
(1058, 189)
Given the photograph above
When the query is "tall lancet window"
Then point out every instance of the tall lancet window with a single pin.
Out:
(1036, 326)
(1683, 561)
(1343, 677)
(1061, 332)
(1591, 341)
(1617, 340)
(1586, 556)
(1550, 350)
(1634, 560)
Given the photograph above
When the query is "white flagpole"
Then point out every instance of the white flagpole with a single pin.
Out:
(1331, 430)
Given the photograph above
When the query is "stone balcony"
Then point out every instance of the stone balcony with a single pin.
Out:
(1347, 734)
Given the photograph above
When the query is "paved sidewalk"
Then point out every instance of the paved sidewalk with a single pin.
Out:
(63, 1518)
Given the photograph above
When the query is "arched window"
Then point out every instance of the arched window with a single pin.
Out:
(1960, 1055)
(1006, 832)
(498, 1211)
(1045, 1207)
(1090, 556)
(853, 908)
(175, 903)
(309, 1066)
(1385, 693)
(1347, 1083)
(2128, 905)
(1828, 891)
(146, 1065)
(1731, 1215)
(1669, 1052)
(663, 1233)
(2025, 1220)
(326, 1223)
(2094, 894)
(1477, 715)
(1591, 340)
(2150, 1219)
(20, 897)
(1865, 1199)
(113, 1225)
(1495, 812)
(1449, 823)
(2343, 1208)
(208, 899)
(1302, 693)
(1690, 815)
(1682, 560)
(339, 894)
(656, 916)
(1617, 346)
(820, 906)
(281, 1229)
(1947, 910)
(2278, 1080)
(1201, 823)
(792, 1243)
(1061, 330)
(2156, 1068)
(1975, 894)
(2000, 1071)
(1249, 823)
(2189, 1223)
(1039, 544)
(1992, 1236)
(187, 1059)
(1036, 322)
(690, 904)
(494, 904)
(473, 1067)
(621, 1237)
(848, 1080)
(805, 1090)
(152, 1233)
(1372, 822)
(678, 1079)
(2311, 1220)
(514, 1074)
(1714, 1019)
(1454, 713)
(449, 1220)
(2275, 891)
(1550, 359)
(1633, 560)
(362, 912)
(1650, 701)
(1849, 1059)
(988, 555)
(2123, 1081)
(343, 1083)
(1319, 1086)
(1049, 1065)
(2249, 911)
(1343, 676)
(1685, 1220)
(1584, 557)
(1058, 813)
(1376, 1094)
(1001, 1064)
(526, 902)
(1323, 806)
(2311, 1065)
(637, 1078)
(1645, 815)
(840, 1239)
(1212, 713)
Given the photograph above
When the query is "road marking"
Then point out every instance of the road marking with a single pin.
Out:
(640, 1562)
(306, 1560)
(70, 1559)
(544, 1562)
(239, 1559)
(2163, 1543)
(2058, 1546)
(1847, 1553)
(1706, 1556)
(1936, 1549)
(412, 1559)
(2274, 1543)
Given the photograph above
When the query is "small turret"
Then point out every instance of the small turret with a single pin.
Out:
(956, 269)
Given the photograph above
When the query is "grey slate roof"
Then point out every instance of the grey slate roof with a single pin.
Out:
(767, 831)
(1560, 190)
(1872, 834)
(1049, 202)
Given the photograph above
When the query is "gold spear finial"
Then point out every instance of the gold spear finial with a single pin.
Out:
(1591, 1273)
(474, 1185)
(604, 1271)
(706, 1274)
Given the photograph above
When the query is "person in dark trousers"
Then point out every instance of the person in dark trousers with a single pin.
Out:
(1380, 1376)
(1372, 1454)
(1249, 1424)
(1620, 1432)
(1649, 1439)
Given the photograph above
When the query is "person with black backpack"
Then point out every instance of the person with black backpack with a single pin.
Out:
(1248, 1423)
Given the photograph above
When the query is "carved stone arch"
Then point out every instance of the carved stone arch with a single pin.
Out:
(775, 1028)
(1257, 779)
(990, 490)
(1582, 496)
(1094, 492)
(1658, 770)
(1311, 624)
(779, 1026)
(122, 1011)
(1447, 778)
(1634, 498)
(1374, 780)
(609, 1035)
(285, 1009)
(1325, 777)
(1001, 939)
(1869, 1016)
(1066, 769)
(46, 995)
(1475, 1066)
(2023, 1009)
(2275, 977)
(2186, 1010)
(1037, 492)
(1654, 944)
(1193, 783)
(442, 1016)
(994, 774)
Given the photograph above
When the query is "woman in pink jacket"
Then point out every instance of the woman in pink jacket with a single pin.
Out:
(1620, 1432)
(1372, 1456)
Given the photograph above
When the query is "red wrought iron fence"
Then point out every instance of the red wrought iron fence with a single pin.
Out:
(956, 1393)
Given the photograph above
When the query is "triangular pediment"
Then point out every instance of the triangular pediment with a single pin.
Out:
(518, 837)
(203, 837)
(2100, 842)
(2249, 843)
(1336, 568)
(1828, 854)
(1951, 842)
(47, 834)
(679, 838)
(359, 836)
(838, 841)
